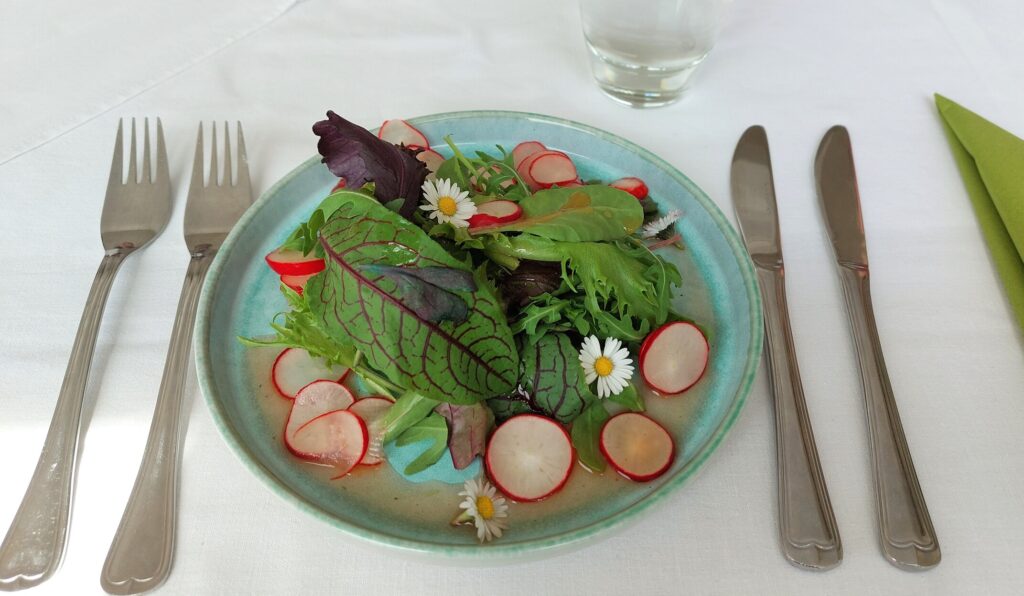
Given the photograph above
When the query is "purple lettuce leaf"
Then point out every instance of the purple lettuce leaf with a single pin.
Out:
(427, 290)
(355, 154)
(467, 431)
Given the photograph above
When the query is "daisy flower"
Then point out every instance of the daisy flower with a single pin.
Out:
(447, 203)
(611, 367)
(656, 226)
(487, 511)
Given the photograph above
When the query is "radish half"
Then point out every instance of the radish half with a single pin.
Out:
(294, 368)
(632, 185)
(549, 168)
(526, 149)
(432, 158)
(529, 457)
(636, 446)
(337, 438)
(319, 397)
(674, 357)
(495, 212)
(370, 410)
(401, 132)
(292, 262)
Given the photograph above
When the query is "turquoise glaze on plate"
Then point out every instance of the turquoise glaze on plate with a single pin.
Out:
(236, 301)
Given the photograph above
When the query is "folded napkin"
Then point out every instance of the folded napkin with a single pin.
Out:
(991, 162)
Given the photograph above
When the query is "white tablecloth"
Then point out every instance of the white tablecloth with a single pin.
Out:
(954, 354)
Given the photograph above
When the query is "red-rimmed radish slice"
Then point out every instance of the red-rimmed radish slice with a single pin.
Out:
(292, 262)
(495, 212)
(294, 368)
(340, 185)
(319, 397)
(529, 457)
(401, 132)
(337, 438)
(523, 169)
(571, 184)
(432, 158)
(636, 446)
(526, 149)
(296, 282)
(370, 410)
(632, 185)
(552, 167)
(674, 357)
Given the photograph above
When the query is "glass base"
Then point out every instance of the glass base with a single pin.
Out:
(641, 86)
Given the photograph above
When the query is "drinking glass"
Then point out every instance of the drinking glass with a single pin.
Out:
(643, 52)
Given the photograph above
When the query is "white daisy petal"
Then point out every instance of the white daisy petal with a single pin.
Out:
(590, 376)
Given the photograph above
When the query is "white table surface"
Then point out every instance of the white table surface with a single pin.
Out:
(954, 354)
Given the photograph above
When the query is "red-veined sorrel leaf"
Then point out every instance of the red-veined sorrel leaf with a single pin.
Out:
(459, 362)
(467, 431)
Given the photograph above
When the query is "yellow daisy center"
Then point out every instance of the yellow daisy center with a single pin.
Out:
(485, 507)
(603, 366)
(447, 205)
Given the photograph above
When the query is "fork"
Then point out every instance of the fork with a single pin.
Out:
(141, 553)
(135, 211)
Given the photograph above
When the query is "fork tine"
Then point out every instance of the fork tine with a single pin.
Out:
(132, 173)
(227, 155)
(243, 161)
(146, 174)
(162, 173)
(117, 164)
(213, 155)
(197, 163)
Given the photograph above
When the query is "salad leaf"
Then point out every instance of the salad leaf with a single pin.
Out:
(407, 410)
(357, 155)
(458, 362)
(467, 431)
(629, 398)
(424, 289)
(586, 434)
(554, 378)
(485, 176)
(582, 214)
(529, 280)
(433, 429)
(507, 406)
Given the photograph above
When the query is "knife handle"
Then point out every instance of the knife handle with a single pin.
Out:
(810, 537)
(905, 527)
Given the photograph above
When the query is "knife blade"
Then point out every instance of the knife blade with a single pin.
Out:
(807, 525)
(905, 527)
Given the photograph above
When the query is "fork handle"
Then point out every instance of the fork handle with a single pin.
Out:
(905, 527)
(807, 524)
(35, 542)
(140, 555)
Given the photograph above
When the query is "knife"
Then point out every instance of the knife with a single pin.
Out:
(905, 528)
(807, 524)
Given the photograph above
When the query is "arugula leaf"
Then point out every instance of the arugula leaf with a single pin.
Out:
(432, 428)
(586, 434)
(554, 378)
(582, 214)
(357, 155)
(494, 177)
(407, 410)
(630, 398)
(425, 289)
(454, 362)
(467, 431)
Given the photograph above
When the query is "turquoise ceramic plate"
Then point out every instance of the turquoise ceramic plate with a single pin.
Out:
(239, 299)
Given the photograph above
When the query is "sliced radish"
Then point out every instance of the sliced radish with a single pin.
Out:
(529, 457)
(296, 282)
(548, 168)
(370, 410)
(632, 185)
(319, 397)
(292, 262)
(526, 149)
(432, 158)
(295, 368)
(401, 132)
(674, 357)
(571, 184)
(337, 438)
(495, 212)
(340, 185)
(636, 446)
(524, 169)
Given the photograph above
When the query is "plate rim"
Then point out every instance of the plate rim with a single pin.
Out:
(492, 551)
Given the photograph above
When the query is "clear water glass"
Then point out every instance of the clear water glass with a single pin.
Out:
(644, 52)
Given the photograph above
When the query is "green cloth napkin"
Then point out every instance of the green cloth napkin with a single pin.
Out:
(991, 162)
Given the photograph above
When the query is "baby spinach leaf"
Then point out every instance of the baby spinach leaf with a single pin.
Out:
(630, 398)
(459, 362)
(432, 428)
(554, 378)
(467, 431)
(407, 410)
(425, 289)
(586, 213)
(586, 435)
